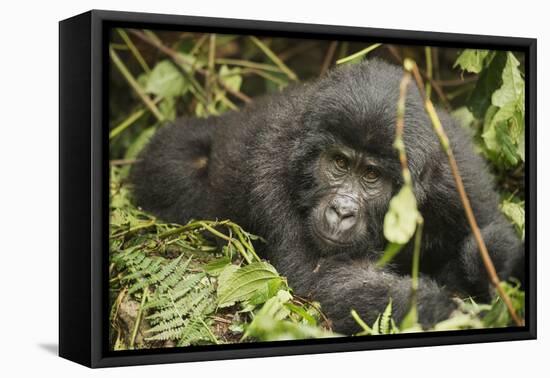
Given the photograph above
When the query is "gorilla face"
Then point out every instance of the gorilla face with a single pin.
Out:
(353, 188)
(348, 169)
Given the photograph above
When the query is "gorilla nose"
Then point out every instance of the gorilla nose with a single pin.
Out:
(341, 214)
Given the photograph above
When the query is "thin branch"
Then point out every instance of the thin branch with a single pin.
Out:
(134, 50)
(139, 316)
(456, 82)
(442, 96)
(248, 64)
(135, 85)
(129, 121)
(429, 71)
(411, 66)
(399, 144)
(210, 78)
(326, 320)
(274, 58)
(184, 61)
(265, 75)
(358, 54)
(328, 57)
(298, 48)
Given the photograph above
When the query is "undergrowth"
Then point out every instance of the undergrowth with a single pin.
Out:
(203, 283)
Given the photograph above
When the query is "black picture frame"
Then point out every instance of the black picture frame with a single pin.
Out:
(83, 180)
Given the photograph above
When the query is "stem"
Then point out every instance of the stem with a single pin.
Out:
(129, 121)
(434, 83)
(415, 269)
(134, 50)
(274, 58)
(429, 71)
(212, 336)
(359, 53)
(198, 44)
(444, 141)
(248, 64)
(211, 73)
(399, 144)
(416, 253)
(235, 242)
(328, 57)
(138, 318)
(126, 123)
(135, 85)
(265, 75)
(366, 329)
(187, 227)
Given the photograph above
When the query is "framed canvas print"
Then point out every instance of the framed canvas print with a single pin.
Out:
(233, 188)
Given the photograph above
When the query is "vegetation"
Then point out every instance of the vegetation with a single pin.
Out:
(179, 285)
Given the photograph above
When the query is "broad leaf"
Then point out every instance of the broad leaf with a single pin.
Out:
(231, 77)
(471, 60)
(243, 283)
(166, 80)
(400, 220)
(489, 80)
(513, 86)
(515, 212)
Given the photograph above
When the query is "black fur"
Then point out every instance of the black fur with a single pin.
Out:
(260, 172)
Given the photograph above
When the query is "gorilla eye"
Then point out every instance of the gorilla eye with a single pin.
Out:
(341, 162)
(372, 174)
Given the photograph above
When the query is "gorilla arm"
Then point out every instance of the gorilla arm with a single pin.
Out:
(343, 283)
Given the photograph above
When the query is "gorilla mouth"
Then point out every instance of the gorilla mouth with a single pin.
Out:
(328, 240)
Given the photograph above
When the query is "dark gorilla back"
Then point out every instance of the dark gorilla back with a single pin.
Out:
(265, 167)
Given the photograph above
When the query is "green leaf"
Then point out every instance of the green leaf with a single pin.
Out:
(513, 86)
(498, 315)
(168, 108)
(506, 144)
(242, 284)
(385, 320)
(464, 117)
(215, 267)
(231, 77)
(471, 60)
(410, 321)
(459, 321)
(515, 212)
(226, 274)
(504, 121)
(166, 80)
(490, 79)
(392, 249)
(503, 132)
(270, 323)
(269, 289)
(301, 312)
(400, 220)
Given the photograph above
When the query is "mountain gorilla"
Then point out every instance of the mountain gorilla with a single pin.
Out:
(312, 170)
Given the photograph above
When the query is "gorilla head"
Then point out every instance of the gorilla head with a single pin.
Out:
(345, 170)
